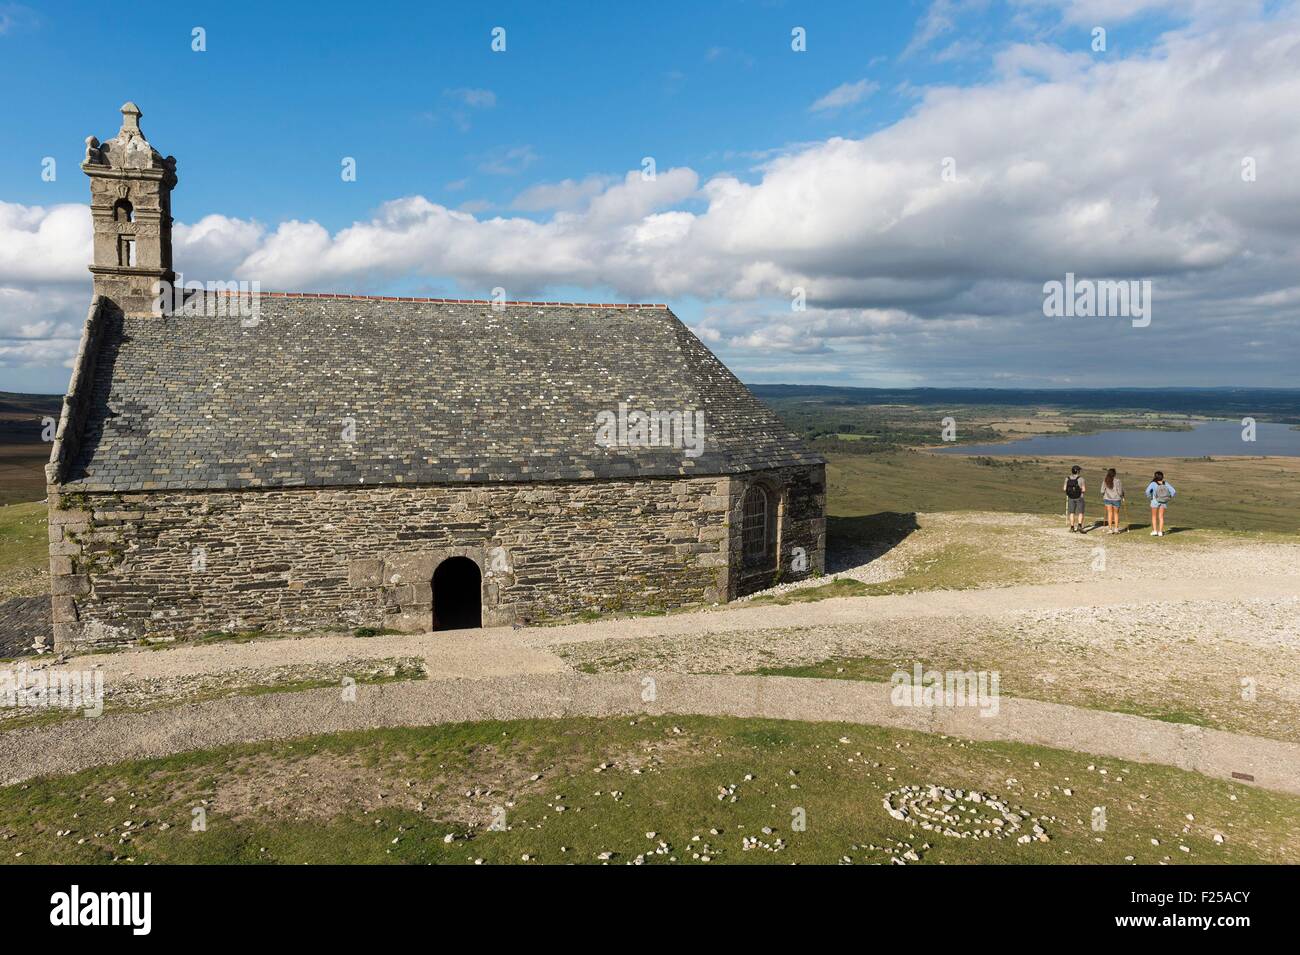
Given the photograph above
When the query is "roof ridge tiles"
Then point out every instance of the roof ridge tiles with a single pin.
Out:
(346, 296)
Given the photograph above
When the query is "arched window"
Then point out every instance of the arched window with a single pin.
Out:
(123, 211)
(756, 525)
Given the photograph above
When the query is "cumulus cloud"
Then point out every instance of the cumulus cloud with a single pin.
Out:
(921, 248)
(1063, 162)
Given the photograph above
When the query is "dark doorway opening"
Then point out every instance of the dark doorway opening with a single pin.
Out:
(457, 595)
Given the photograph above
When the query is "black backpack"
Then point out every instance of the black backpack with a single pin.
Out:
(1072, 488)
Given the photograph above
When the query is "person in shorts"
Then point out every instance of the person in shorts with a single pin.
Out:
(1075, 489)
(1160, 492)
(1112, 496)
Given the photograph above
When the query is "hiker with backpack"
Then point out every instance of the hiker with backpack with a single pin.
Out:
(1160, 492)
(1074, 491)
(1112, 496)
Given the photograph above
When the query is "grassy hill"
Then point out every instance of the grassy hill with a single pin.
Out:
(1231, 494)
(22, 452)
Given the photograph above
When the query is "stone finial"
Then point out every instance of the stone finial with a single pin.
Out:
(92, 150)
(131, 118)
(128, 149)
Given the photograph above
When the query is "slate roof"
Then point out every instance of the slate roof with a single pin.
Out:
(441, 392)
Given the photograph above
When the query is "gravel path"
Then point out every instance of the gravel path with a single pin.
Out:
(77, 744)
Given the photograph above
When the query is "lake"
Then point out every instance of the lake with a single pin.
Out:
(1214, 438)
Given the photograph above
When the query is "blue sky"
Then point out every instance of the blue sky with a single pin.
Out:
(284, 90)
(776, 170)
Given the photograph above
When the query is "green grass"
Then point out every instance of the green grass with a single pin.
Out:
(22, 465)
(401, 673)
(1242, 495)
(959, 566)
(24, 543)
(838, 587)
(356, 798)
(231, 636)
(365, 632)
(247, 636)
(871, 669)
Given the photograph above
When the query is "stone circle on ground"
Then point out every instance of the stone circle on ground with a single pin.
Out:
(962, 814)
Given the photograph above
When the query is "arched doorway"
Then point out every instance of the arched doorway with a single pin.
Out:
(457, 595)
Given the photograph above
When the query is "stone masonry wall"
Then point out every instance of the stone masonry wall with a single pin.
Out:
(173, 563)
(128, 565)
(799, 547)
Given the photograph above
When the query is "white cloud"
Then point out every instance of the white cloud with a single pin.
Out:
(42, 244)
(507, 160)
(567, 195)
(1104, 12)
(846, 94)
(1106, 166)
(939, 19)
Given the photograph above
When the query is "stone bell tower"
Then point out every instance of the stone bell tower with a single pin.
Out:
(131, 205)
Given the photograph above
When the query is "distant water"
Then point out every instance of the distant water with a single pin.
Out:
(1214, 438)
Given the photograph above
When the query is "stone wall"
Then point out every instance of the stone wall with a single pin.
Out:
(170, 563)
(180, 563)
(799, 546)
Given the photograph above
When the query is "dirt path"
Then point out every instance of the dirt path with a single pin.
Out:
(934, 603)
(77, 744)
(469, 654)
